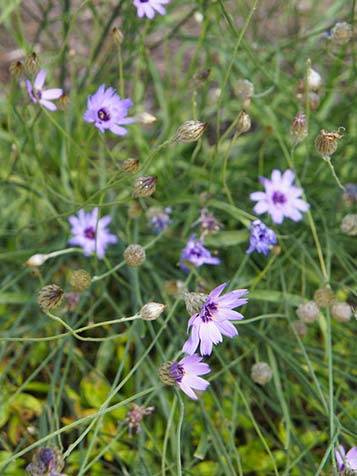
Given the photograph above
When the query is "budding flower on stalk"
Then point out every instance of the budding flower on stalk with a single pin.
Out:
(117, 36)
(129, 166)
(326, 143)
(341, 33)
(32, 63)
(144, 186)
(261, 373)
(151, 311)
(299, 129)
(190, 131)
(314, 80)
(244, 123)
(50, 297)
(80, 280)
(134, 255)
(36, 260)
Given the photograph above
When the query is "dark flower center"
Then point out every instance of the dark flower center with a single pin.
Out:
(177, 372)
(144, 1)
(279, 197)
(103, 114)
(89, 233)
(207, 310)
(38, 94)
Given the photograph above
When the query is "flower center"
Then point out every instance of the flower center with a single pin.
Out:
(89, 233)
(177, 372)
(38, 94)
(279, 197)
(207, 311)
(103, 114)
(144, 1)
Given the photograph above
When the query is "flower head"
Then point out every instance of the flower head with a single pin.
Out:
(346, 461)
(159, 219)
(261, 238)
(108, 111)
(195, 253)
(46, 462)
(150, 7)
(38, 94)
(212, 321)
(90, 233)
(281, 197)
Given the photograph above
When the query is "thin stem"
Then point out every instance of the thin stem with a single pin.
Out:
(332, 168)
(179, 429)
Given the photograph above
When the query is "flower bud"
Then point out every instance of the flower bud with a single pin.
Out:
(129, 166)
(50, 297)
(151, 311)
(299, 130)
(144, 186)
(300, 328)
(80, 280)
(134, 255)
(194, 302)
(324, 297)
(17, 69)
(165, 375)
(117, 36)
(261, 373)
(314, 80)
(349, 225)
(244, 123)
(36, 260)
(308, 312)
(63, 102)
(341, 311)
(341, 33)
(190, 131)
(326, 143)
(32, 63)
(145, 118)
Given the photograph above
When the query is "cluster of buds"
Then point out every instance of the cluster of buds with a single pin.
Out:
(326, 143)
(134, 255)
(208, 222)
(261, 373)
(190, 131)
(144, 186)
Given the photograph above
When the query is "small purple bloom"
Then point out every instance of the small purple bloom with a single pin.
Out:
(38, 94)
(261, 238)
(150, 7)
(212, 321)
(281, 197)
(46, 462)
(346, 461)
(90, 233)
(159, 219)
(194, 252)
(185, 373)
(108, 111)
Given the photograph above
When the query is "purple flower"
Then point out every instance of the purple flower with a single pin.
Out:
(46, 462)
(281, 197)
(150, 7)
(90, 233)
(108, 111)
(37, 94)
(194, 252)
(261, 238)
(212, 321)
(346, 461)
(159, 219)
(185, 374)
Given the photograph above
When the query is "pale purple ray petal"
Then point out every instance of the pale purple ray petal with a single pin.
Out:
(185, 388)
(351, 458)
(48, 105)
(197, 383)
(40, 79)
(52, 93)
(227, 329)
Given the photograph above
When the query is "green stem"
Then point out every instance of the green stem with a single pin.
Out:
(332, 168)
(179, 430)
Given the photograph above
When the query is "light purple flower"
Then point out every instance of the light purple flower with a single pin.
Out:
(185, 373)
(212, 321)
(195, 253)
(281, 197)
(346, 461)
(90, 233)
(159, 219)
(108, 111)
(261, 238)
(150, 7)
(38, 94)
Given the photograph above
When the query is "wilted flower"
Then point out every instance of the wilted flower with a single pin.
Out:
(341, 311)
(135, 416)
(144, 186)
(150, 7)
(346, 462)
(190, 131)
(261, 238)
(80, 280)
(326, 143)
(212, 320)
(46, 462)
(349, 224)
(341, 33)
(281, 197)
(261, 373)
(134, 255)
(195, 253)
(38, 94)
(90, 233)
(108, 111)
(159, 219)
(308, 312)
(209, 223)
(299, 130)
(151, 311)
(185, 374)
(324, 297)
(50, 297)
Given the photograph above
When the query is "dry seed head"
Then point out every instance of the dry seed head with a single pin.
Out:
(50, 297)
(145, 118)
(144, 186)
(308, 312)
(190, 131)
(36, 260)
(134, 255)
(324, 297)
(17, 69)
(164, 372)
(326, 143)
(341, 311)
(314, 80)
(244, 123)
(129, 166)
(117, 36)
(32, 63)
(298, 130)
(341, 33)
(80, 280)
(261, 373)
(349, 224)
(194, 301)
(300, 328)
(151, 311)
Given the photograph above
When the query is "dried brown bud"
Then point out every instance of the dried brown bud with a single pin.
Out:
(261, 373)
(299, 130)
(50, 297)
(145, 118)
(194, 302)
(324, 297)
(341, 311)
(341, 33)
(32, 63)
(326, 143)
(117, 36)
(80, 280)
(308, 312)
(17, 69)
(151, 311)
(134, 255)
(144, 186)
(244, 123)
(165, 375)
(349, 224)
(63, 102)
(36, 260)
(190, 131)
(129, 166)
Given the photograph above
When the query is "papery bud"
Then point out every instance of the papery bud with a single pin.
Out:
(341, 311)
(32, 63)
(117, 36)
(129, 166)
(349, 225)
(308, 312)
(50, 297)
(135, 210)
(261, 373)
(324, 297)
(63, 102)
(165, 375)
(17, 69)
(244, 123)
(326, 143)
(36, 260)
(190, 131)
(299, 130)
(300, 328)
(144, 186)
(244, 89)
(80, 280)
(341, 33)
(145, 118)
(151, 311)
(134, 255)
(314, 80)
(194, 302)
(350, 194)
